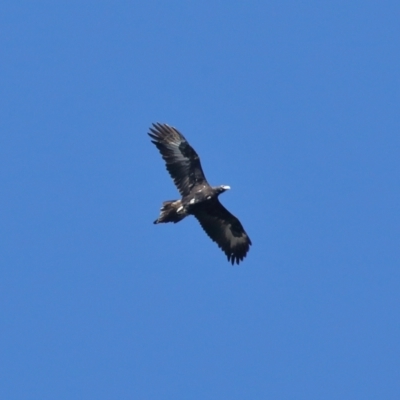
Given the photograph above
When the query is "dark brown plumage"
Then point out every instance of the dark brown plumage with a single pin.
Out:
(198, 197)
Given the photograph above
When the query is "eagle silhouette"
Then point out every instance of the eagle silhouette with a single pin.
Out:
(198, 197)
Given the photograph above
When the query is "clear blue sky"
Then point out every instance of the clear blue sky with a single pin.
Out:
(295, 105)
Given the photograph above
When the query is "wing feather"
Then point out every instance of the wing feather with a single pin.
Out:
(182, 161)
(224, 229)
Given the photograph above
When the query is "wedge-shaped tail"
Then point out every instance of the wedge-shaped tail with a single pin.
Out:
(171, 211)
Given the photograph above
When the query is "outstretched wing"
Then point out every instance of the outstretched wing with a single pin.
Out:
(224, 229)
(182, 162)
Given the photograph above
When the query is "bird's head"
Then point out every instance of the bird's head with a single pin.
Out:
(222, 189)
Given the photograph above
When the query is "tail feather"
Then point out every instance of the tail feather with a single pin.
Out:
(169, 212)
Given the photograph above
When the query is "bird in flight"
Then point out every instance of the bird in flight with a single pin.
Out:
(198, 197)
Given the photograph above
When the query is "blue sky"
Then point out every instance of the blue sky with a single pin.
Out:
(295, 105)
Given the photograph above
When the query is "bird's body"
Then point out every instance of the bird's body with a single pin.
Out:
(198, 197)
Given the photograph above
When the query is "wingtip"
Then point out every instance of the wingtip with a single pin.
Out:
(158, 129)
(235, 258)
(159, 125)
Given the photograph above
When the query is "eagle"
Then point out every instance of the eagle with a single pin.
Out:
(198, 197)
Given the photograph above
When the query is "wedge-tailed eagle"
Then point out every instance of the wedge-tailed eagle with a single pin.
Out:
(198, 197)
